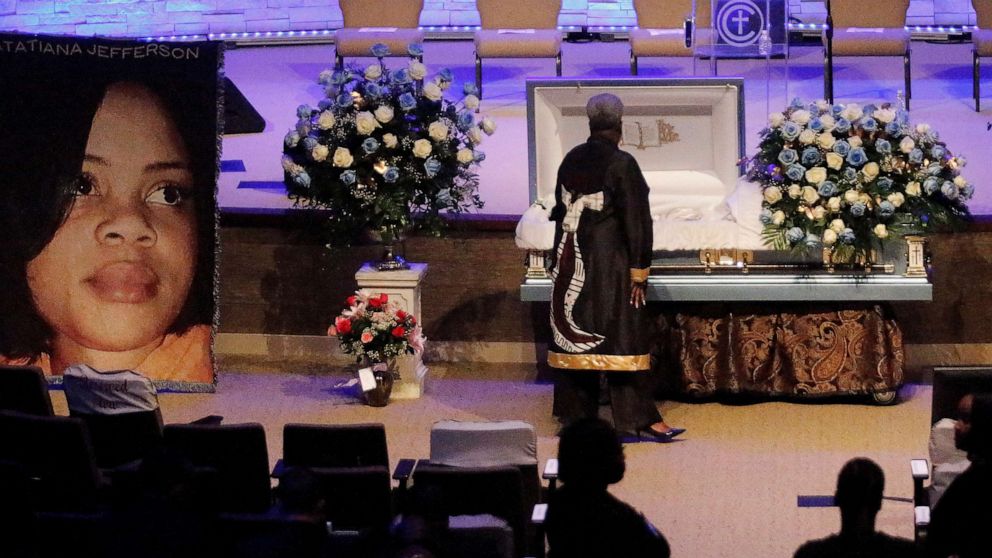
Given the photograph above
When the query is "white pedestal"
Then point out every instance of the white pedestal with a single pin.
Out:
(403, 288)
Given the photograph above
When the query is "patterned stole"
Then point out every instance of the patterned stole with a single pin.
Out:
(568, 278)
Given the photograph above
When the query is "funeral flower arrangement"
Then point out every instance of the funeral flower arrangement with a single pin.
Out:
(375, 329)
(384, 150)
(850, 178)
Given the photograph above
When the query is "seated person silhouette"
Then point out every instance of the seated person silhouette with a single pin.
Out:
(859, 496)
(584, 519)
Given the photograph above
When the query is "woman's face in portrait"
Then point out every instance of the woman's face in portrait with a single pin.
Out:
(117, 272)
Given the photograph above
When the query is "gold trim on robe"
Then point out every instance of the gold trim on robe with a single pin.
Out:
(609, 363)
(639, 275)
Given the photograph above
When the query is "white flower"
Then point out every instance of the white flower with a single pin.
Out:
(795, 191)
(343, 158)
(837, 225)
(833, 204)
(822, 105)
(896, 198)
(488, 126)
(865, 199)
(855, 141)
(960, 161)
(389, 140)
(907, 144)
(851, 112)
(922, 128)
(422, 148)
(365, 123)
(471, 102)
(320, 152)
(807, 136)
(810, 195)
(465, 156)
(829, 237)
(851, 196)
(884, 115)
(778, 217)
(880, 231)
(815, 175)
(870, 170)
(828, 122)
(772, 194)
(474, 135)
(819, 212)
(800, 117)
(913, 189)
(290, 166)
(417, 70)
(438, 131)
(825, 140)
(959, 181)
(776, 119)
(373, 72)
(384, 113)
(432, 91)
(326, 120)
(834, 160)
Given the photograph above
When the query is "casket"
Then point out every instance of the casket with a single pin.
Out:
(687, 136)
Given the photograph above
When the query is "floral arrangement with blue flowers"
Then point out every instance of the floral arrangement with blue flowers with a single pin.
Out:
(384, 150)
(851, 178)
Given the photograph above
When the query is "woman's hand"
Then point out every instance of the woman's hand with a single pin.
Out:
(638, 293)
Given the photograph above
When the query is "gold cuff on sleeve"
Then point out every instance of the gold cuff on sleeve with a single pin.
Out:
(639, 275)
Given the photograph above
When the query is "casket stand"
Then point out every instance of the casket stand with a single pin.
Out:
(736, 317)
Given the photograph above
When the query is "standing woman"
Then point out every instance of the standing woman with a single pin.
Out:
(602, 258)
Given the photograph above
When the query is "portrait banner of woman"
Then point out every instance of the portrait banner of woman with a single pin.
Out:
(108, 172)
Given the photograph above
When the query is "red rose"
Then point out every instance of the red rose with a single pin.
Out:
(401, 315)
(398, 331)
(375, 302)
(351, 300)
(343, 325)
(383, 298)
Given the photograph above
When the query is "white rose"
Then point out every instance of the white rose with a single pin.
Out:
(290, 166)
(389, 140)
(342, 157)
(884, 115)
(833, 204)
(488, 126)
(384, 113)
(471, 102)
(474, 135)
(907, 144)
(837, 225)
(776, 119)
(437, 131)
(320, 152)
(795, 191)
(810, 195)
(959, 181)
(373, 72)
(432, 91)
(865, 199)
(465, 156)
(834, 160)
(422, 148)
(855, 141)
(365, 123)
(772, 194)
(819, 212)
(896, 198)
(778, 217)
(851, 112)
(800, 117)
(922, 128)
(880, 231)
(913, 189)
(870, 171)
(829, 237)
(828, 122)
(960, 162)
(816, 175)
(417, 70)
(822, 105)
(326, 120)
(851, 196)
(807, 136)
(825, 140)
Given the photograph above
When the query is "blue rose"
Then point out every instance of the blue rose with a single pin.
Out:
(794, 235)
(797, 103)
(846, 236)
(795, 172)
(837, 109)
(886, 209)
(938, 152)
(445, 74)
(815, 124)
(304, 111)
(790, 130)
(788, 156)
(869, 109)
(401, 77)
(916, 155)
(415, 49)
(407, 102)
(869, 124)
(465, 120)
(812, 240)
(470, 89)
(857, 157)
(893, 128)
(842, 148)
(348, 177)
(370, 145)
(379, 50)
(344, 100)
(858, 209)
(392, 174)
(949, 190)
(934, 169)
(883, 146)
(339, 78)
(968, 191)
(309, 143)
(372, 90)
(292, 138)
(479, 156)
(811, 156)
(303, 179)
(842, 125)
(827, 189)
(850, 174)
(325, 104)
(432, 166)
(884, 183)
(766, 216)
(931, 185)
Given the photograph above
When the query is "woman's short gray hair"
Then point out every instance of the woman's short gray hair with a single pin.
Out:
(605, 112)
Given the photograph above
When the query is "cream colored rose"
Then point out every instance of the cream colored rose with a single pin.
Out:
(365, 123)
(422, 148)
(884, 115)
(438, 131)
(907, 144)
(433, 91)
(471, 102)
(488, 126)
(825, 140)
(776, 119)
(320, 152)
(834, 160)
(851, 196)
(960, 162)
(384, 113)
(855, 141)
(881, 231)
(465, 156)
(828, 122)
(373, 72)
(822, 105)
(851, 112)
(807, 136)
(810, 195)
(819, 212)
(343, 158)
(922, 128)
(474, 135)
(959, 181)
(870, 171)
(829, 237)
(772, 194)
(837, 225)
(326, 120)
(389, 140)
(865, 199)
(778, 217)
(800, 116)
(417, 70)
(896, 198)
(795, 191)
(816, 175)
(913, 189)
(833, 204)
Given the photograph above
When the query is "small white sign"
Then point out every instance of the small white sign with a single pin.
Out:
(367, 379)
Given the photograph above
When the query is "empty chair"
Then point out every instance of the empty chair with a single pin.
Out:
(662, 30)
(367, 22)
(517, 29)
(981, 38)
(24, 389)
(339, 445)
(236, 452)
